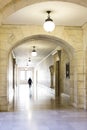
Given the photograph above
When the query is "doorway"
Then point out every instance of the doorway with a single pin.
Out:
(57, 79)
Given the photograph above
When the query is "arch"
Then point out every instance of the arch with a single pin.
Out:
(66, 46)
(13, 6)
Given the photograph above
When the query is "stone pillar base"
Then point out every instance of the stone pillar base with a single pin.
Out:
(3, 108)
(3, 103)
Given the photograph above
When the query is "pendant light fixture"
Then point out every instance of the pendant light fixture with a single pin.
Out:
(49, 24)
(34, 53)
(29, 59)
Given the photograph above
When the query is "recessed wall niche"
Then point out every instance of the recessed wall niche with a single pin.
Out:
(68, 70)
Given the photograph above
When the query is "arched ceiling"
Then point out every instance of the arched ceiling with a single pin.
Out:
(43, 48)
(45, 45)
(17, 4)
(63, 13)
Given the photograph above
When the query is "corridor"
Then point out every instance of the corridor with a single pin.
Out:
(39, 110)
(26, 99)
(55, 60)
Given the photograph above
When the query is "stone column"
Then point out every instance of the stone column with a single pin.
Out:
(51, 75)
(56, 76)
(85, 64)
(3, 80)
(79, 91)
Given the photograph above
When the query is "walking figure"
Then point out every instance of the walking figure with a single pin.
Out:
(30, 84)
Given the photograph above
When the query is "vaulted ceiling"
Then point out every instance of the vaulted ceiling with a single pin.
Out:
(63, 13)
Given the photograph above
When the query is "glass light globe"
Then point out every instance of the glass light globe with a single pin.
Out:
(34, 53)
(49, 26)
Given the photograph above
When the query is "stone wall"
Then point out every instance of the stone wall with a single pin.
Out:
(10, 82)
(3, 79)
(85, 64)
(44, 71)
(65, 81)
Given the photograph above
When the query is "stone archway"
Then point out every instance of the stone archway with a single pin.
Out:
(16, 35)
(69, 50)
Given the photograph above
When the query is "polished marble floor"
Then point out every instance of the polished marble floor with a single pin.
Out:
(39, 110)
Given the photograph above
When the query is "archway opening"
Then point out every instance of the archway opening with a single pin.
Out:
(51, 72)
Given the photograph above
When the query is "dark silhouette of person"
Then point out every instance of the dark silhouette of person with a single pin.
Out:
(30, 84)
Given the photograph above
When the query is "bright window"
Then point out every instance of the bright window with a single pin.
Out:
(29, 74)
(22, 75)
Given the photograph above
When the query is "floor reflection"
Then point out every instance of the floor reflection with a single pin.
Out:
(41, 111)
(35, 98)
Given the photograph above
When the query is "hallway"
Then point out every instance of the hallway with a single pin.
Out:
(39, 113)
(56, 61)
(26, 99)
